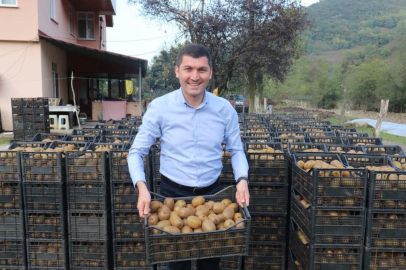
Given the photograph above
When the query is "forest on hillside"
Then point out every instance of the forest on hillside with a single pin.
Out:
(369, 39)
(357, 45)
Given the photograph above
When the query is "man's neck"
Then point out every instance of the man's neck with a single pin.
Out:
(194, 101)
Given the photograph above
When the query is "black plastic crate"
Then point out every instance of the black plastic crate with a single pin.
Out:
(82, 138)
(311, 129)
(11, 196)
(386, 230)
(47, 254)
(398, 161)
(46, 226)
(363, 161)
(285, 140)
(119, 171)
(320, 257)
(42, 167)
(364, 141)
(108, 126)
(107, 146)
(291, 134)
(124, 196)
(254, 139)
(326, 140)
(44, 197)
(119, 132)
(13, 254)
(155, 162)
(86, 131)
(267, 198)
(329, 187)
(383, 150)
(387, 191)
(345, 149)
(87, 166)
(265, 257)
(287, 128)
(89, 226)
(384, 259)
(29, 146)
(353, 134)
(231, 263)
(10, 166)
(320, 134)
(278, 176)
(125, 122)
(306, 147)
(268, 228)
(130, 255)
(48, 137)
(63, 146)
(90, 255)
(12, 225)
(263, 147)
(166, 247)
(116, 139)
(128, 226)
(260, 134)
(88, 197)
(330, 227)
(267, 164)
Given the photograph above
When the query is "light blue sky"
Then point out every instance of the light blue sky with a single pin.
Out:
(133, 35)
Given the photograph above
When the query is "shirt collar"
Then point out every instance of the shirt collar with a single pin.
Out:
(182, 99)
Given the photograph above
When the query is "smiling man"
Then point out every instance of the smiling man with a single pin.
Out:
(192, 124)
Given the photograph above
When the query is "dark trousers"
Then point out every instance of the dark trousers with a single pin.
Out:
(170, 191)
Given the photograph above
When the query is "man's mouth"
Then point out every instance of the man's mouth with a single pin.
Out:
(194, 84)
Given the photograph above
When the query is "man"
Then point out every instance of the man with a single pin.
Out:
(192, 123)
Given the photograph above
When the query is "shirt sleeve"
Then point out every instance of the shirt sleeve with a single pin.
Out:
(234, 145)
(147, 134)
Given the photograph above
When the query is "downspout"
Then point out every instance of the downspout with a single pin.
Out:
(101, 31)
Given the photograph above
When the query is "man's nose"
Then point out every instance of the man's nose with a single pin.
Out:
(195, 75)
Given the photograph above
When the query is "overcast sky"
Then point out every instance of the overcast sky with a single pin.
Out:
(135, 36)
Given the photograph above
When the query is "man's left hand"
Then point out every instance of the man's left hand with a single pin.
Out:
(242, 195)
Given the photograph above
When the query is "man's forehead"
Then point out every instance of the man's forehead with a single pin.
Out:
(188, 60)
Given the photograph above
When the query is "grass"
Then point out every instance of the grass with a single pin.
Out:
(4, 140)
(370, 130)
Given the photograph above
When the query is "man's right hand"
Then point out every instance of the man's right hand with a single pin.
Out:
(144, 199)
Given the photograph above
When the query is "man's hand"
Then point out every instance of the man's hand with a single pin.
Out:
(144, 199)
(242, 195)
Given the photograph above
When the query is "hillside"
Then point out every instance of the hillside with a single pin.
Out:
(340, 25)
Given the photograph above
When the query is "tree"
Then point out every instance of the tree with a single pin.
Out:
(244, 36)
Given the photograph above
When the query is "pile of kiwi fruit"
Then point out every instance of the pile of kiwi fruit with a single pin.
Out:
(198, 216)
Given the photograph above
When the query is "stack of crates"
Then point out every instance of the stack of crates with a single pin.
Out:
(268, 173)
(89, 210)
(43, 175)
(30, 116)
(385, 243)
(12, 236)
(327, 213)
(128, 238)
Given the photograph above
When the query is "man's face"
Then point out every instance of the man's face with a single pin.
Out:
(194, 75)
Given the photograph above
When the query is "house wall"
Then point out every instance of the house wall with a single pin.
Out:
(51, 53)
(19, 23)
(20, 70)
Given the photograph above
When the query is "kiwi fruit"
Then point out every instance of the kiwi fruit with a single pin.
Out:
(194, 222)
(218, 208)
(170, 203)
(208, 226)
(199, 200)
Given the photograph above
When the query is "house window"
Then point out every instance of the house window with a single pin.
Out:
(85, 25)
(8, 3)
(71, 20)
(55, 81)
(52, 7)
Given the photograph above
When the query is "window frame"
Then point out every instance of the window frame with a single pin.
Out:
(55, 80)
(86, 20)
(8, 5)
(71, 23)
(52, 9)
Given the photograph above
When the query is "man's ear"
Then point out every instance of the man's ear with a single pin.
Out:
(177, 72)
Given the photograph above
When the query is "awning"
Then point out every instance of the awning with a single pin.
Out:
(118, 62)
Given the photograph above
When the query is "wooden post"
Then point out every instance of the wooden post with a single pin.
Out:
(382, 113)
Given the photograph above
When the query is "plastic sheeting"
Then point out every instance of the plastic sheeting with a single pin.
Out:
(387, 127)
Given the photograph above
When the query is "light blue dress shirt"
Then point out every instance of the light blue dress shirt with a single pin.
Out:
(191, 149)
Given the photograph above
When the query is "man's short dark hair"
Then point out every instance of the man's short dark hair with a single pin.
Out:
(194, 50)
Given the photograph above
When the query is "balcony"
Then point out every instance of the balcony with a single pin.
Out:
(104, 7)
